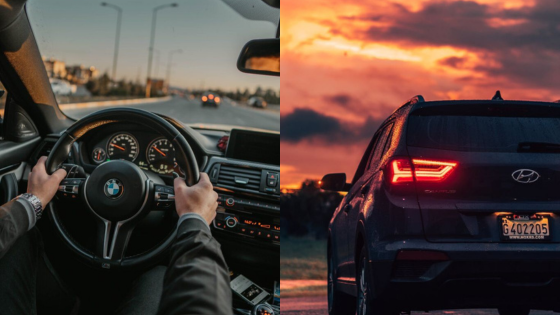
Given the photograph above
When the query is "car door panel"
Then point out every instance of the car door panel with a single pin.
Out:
(13, 153)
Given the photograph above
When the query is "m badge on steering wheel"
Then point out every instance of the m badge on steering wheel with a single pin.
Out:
(113, 188)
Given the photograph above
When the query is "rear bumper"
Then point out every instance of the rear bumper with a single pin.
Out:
(476, 275)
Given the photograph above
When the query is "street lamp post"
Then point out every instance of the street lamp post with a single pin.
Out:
(169, 58)
(157, 54)
(152, 39)
(117, 37)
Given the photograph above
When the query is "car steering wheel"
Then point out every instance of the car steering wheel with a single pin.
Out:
(118, 193)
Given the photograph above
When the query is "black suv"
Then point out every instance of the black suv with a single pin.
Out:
(455, 204)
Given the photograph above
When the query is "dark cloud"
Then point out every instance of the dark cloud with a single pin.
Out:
(453, 62)
(467, 24)
(339, 99)
(523, 44)
(309, 125)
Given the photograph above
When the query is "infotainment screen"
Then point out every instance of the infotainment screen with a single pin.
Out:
(254, 146)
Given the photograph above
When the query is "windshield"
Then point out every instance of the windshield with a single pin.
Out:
(177, 59)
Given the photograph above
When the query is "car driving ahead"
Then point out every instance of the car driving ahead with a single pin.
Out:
(455, 204)
(210, 99)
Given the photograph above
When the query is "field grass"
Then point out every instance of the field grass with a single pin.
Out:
(303, 259)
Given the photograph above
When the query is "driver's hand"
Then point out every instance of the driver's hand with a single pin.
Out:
(43, 185)
(200, 198)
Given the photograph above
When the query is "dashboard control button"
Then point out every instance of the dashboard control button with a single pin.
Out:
(163, 204)
(230, 202)
(276, 236)
(272, 179)
(231, 222)
(251, 231)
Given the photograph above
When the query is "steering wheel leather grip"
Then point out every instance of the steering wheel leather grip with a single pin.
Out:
(118, 193)
(185, 155)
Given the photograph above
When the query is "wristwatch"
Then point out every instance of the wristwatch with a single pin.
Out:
(35, 202)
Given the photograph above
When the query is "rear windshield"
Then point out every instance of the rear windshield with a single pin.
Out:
(480, 133)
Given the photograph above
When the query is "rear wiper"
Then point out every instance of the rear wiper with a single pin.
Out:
(538, 147)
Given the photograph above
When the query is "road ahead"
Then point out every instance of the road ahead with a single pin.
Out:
(315, 305)
(191, 112)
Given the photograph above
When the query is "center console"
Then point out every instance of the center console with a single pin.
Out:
(247, 223)
(248, 218)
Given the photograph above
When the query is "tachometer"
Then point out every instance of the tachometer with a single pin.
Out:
(161, 156)
(123, 146)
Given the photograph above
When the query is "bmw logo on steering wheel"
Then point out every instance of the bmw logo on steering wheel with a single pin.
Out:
(113, 188)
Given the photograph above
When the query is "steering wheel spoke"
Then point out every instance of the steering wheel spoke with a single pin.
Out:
(112, 241)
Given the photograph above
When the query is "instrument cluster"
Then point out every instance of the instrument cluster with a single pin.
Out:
(154, 154)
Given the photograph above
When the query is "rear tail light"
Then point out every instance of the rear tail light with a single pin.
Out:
(401, 170)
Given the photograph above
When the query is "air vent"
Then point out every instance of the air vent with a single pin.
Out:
(240, 177)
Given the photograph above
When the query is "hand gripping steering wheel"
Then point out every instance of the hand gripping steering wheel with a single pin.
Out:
(118, 193)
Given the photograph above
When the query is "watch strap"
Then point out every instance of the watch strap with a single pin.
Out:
(35, 203)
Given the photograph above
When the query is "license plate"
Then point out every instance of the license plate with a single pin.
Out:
(525, 227)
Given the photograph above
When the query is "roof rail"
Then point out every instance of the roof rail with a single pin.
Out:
(415, 99)
(497, 96)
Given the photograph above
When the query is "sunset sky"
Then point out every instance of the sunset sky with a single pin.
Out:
(347, 65)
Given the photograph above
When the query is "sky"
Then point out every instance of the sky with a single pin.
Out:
(348, 65)
(210, 34)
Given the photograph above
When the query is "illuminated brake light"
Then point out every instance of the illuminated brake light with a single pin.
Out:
(211, 96)
(432, 171)
(424, 170)
(204, 98)
(217, 99)
(402, 172)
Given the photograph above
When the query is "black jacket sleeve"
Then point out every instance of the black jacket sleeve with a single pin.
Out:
(197, 280)
(14, 222)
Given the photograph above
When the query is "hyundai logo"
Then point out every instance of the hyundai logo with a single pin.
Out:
(525, 176)
(113, 188)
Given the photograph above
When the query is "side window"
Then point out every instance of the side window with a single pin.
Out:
(365, 158)
(380, 146)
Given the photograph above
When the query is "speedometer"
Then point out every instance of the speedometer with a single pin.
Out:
(123, 146)
(161, 156)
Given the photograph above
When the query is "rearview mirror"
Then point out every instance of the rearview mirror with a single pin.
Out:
(260, 56)
(335, 182)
